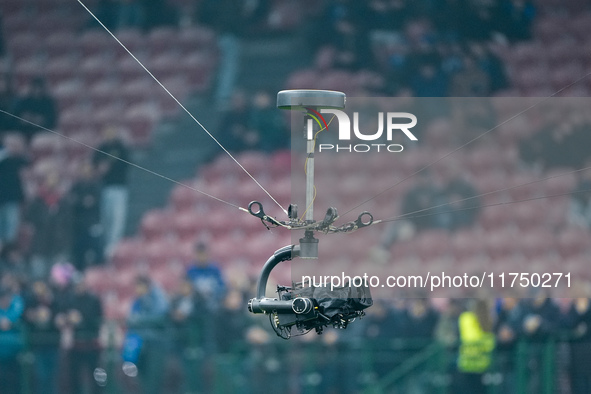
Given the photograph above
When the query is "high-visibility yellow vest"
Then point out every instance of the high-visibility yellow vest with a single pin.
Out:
(476, 345)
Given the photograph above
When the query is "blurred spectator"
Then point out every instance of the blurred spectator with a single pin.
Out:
(546, 149)
(491, 65)
(265, 122)
(84, 200)
(540, 319)
(158, 13)
(430, 81)
(462, 208)
(423, 195)
(13, 262)
(107, 12)
(206, 277)
(43, 336)
(235, 134)
(383, 325)
(480, 19)
(470, 81)
(507, 331)
(37, 106)
(234, 322)
(421, 322)
(516, 18)
(82, 315)
(578, 320)
(146, 322)
(109, 161)
(12, 162)
(190, 324)
(11, 341)
(477, 343)
(130, 14)
(580, 202)
(47, 212)
(7, 102)
(226, 18)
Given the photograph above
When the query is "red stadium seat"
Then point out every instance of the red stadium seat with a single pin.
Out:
(95, 42)
(24, 44)
(94, 69)
(99, 279)
(128, 252)
(160, 39)
(198, 70)
(155, 224)
(46, 145)
(60, 43)
(188, 225)
(139, 121)
(133, 40)
(573, 241)
(183, 199)
(61, 69)
(196, 38)
(68, 94)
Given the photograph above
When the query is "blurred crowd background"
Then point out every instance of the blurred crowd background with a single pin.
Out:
(114, 280)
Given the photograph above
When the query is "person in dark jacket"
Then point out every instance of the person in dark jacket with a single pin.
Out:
(83, 315)
(539, 321)
(84, 201)
(109, 161)
(189, 319)
(43, 336)
(147, 323)
(578, 321)
(11, 309)
(37, 106)
(12, 196)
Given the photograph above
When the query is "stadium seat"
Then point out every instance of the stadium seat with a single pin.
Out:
(133, 40)
(140, 120)
(160, 39)
(573, 241)
(197, 67)
(68, 94)
(187, 225)
(155, 224)
(127, 253)
(95, 42)
(24, 44)
(93, 68)
(60, 43)
(46, 145)
(195, 38)
(61, 69)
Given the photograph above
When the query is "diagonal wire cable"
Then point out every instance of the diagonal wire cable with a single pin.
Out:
(468, 143)
(125, 161)
(397, 218)
(492, 192)
(180, 104)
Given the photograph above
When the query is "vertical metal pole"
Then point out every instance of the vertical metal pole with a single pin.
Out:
(309, 244)
(310, 170)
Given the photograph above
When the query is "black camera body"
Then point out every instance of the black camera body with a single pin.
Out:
(307, 307)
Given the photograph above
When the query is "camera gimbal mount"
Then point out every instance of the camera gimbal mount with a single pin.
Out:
(308, 308)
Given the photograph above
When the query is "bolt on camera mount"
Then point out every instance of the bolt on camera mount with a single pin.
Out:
(308, 308)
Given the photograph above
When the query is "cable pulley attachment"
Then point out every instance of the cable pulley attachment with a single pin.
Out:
(325, 226)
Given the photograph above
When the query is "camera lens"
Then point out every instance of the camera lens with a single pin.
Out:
(301, 305)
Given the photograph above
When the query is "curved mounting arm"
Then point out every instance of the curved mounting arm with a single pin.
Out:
(284, 254)
(262, 304)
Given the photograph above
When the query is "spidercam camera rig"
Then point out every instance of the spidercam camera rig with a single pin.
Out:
(300, 306)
